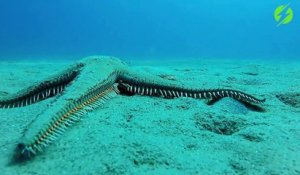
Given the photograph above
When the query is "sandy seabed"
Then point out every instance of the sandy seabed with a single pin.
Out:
(144, 135)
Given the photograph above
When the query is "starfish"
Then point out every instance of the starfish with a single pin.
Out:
(85, 86)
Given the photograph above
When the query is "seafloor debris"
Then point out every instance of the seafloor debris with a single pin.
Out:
(250, 73)
(168, 77)
(3, 93)
(291, 99)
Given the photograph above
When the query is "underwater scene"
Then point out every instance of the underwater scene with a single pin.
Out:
(206, 87)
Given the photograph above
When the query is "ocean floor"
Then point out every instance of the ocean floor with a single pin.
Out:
(144, 135)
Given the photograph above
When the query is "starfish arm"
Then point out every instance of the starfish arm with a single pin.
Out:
(52, 86)
(136, 83)
(92, 87)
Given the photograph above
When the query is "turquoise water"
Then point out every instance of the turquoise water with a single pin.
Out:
(147, 29)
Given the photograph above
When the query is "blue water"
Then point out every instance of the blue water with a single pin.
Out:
(240, 29)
